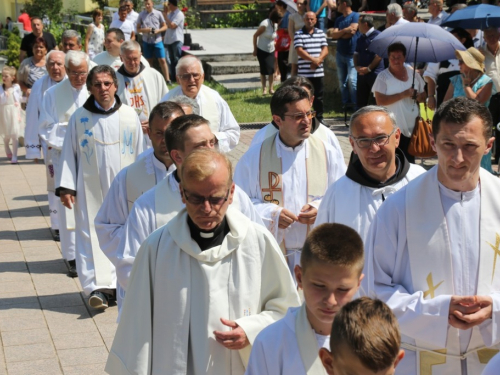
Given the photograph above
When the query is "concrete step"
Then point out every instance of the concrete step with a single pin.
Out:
(206, 56)
(239, 82)
(230, 67)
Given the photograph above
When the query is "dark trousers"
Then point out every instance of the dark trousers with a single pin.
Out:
(495, 114)
(317, 83)
(283, 65)
(364, 92)
(404, 142)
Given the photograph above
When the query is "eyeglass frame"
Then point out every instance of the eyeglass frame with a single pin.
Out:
(78, 74)
(106, 85)
(299, 116)
(373, 140)
(183, 76)
(208, 199)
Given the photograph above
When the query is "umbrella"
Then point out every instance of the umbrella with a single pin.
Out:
(423, 42)
(291, 5)
(475, 17)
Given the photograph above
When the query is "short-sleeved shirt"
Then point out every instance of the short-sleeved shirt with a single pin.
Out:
(177, 34)
(126, 26)
(312, 44)
(29, 40)
(365, 56)
(315, 5)
(346, 47)
(154, 20)
(265, 41)
(25, 20)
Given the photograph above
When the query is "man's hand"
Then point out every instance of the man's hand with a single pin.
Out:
(362, 70)
(467, 312)
(308, 214)
(67, 200)
(235, 339)
(431, 103)
(286, 218)
(145, 126)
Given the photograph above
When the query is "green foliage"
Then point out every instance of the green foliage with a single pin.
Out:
(192, 18)
(13, 47)
(101, 3)
(251, 15)
(50, 8)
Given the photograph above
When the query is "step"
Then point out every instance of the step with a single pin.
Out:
(230, 67)
(239, 82)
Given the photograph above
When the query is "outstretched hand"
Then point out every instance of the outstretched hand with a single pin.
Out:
(235, 339)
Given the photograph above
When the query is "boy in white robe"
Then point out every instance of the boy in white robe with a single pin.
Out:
(365, 339)
(434, 248)
(330, 275)
(203, 286)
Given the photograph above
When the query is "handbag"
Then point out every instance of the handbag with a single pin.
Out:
(420, 142)
(283, 40)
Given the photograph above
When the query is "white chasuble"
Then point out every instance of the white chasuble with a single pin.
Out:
(432, 268)
(178, 293)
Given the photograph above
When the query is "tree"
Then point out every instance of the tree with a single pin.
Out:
(50, 8)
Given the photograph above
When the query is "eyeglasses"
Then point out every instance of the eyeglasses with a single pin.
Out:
(98, 85)
(78, 74)
(198, 199)
(187, 76)
(301, 116)
(380, 141)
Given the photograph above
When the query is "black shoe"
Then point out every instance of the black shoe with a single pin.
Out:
(56, 235)
(98, 300)
(72, 269)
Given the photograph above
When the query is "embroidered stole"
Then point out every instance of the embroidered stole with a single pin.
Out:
(135, 93)
(90, 167)
(431, 267)
(167, 201)
(307, 343)
(138, 180)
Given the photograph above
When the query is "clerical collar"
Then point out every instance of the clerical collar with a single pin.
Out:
(158, 163)
(90, 105)
(102, 109)
(290, 148)
(208, 239)
(123, 72)
(357, 173)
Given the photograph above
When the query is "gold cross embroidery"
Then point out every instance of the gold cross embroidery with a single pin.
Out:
(432, 287)
(274, 181)
(496, 249)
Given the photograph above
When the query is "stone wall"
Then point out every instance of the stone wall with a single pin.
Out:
(331, 82)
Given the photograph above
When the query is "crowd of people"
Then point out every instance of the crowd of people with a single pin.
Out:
(293, 262)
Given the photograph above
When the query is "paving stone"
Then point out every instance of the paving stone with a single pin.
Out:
(32, 352)
(81, 356)
(69, 341)
(40, 367)
(94, 369)
(20, 309)
(26, 337)
(61, 300)
(33, 320)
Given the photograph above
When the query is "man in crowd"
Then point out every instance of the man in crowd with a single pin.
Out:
(132, 15)
(24, 18)
(346, 34)
(394, 15)
(312, 49)
(59, 103)
(174, 36)
(124, 24)
(410, 12)
(434, 248)
(438, 15)
(189, 297)
(71, 40)
(151, 23)
(112, 41)
(28, 41)
(190, 76)
(103, 137)
(367, 63)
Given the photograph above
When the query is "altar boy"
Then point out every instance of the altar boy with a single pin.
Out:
(332, 262)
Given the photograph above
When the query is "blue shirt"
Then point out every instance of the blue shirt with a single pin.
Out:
(346, 47)
(365, 57)
(315, 5)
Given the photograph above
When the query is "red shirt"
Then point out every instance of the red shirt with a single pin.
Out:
(25, 20)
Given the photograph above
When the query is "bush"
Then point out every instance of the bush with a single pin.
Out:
(13, 47)
(50, 8)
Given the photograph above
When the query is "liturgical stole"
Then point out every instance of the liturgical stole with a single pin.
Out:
(431, 268)
(168, 202)
(92, 184)
(139, 179)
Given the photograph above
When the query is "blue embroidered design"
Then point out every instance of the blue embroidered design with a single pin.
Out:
(86, 150)
(127, 141)
(84, 120)
(88, 132)
(84, 143)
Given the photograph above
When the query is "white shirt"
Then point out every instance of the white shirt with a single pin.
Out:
(492, 65)
(439, 19)
(105, 58)
(177, 34)
(126, 26)
(132, 17)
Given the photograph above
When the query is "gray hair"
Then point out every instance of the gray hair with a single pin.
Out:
(54, 51)
(70, 34)
(456, 7)
(395, 9)
(184, 100)
(370, 109)
(129, 46)
(76, 58)
(187, 61)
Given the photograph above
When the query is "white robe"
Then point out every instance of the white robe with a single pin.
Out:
(178, 293)
(421, 318)
(228, 130)
(105, 58)
(294, 182)
(105, 131)
(350, 203)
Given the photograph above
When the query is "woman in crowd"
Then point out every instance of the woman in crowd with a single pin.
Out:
(94, 40)
(393, 89)
(472, 83)
(295, 23)
(33, 68)
(263, 48)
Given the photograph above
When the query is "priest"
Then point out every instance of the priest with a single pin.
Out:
(103, 137)
(159, 205)
(203, 286)
(287, 175)
(435, 246)
(59, 103)
(379, 170)
(190, 77)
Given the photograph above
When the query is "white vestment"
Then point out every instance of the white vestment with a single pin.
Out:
(106, 132)
(217, 112)
(178, 293)
(285, 347)
(105, 58)
(294, 182)
(417, 281)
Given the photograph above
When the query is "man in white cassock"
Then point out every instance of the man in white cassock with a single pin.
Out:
(287, 175)
(318, 129)
(203, 286)
(150, 168)
(190, 77)
(435, 247)
(59, 103)
(138, 86)
(379, 170)
(103, 137)
(112, 41)
(32, 141)
(159, 205)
